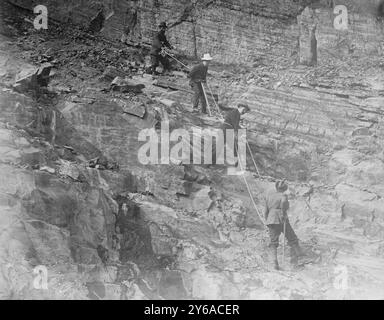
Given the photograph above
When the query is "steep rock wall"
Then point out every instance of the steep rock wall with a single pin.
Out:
(344, 215)
(232, 31)
(362, 34)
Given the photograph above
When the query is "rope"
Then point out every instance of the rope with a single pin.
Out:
(241, 167)
(249, 190)
(249, 148)
(206, 100)
(165, 51)
(252, 199)
(217, 107)
(253, 159)
(284, 243)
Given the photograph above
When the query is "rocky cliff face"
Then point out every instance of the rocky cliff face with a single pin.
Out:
(232, 31)
(361, 34)
(73, 189)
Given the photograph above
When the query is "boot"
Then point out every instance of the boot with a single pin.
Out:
(167, 72)
(273, 253)
(153, 71)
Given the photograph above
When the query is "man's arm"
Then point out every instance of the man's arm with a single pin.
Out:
(285, 206)
(236, 120)
(167, 44)
(193, 74)
(164, 41)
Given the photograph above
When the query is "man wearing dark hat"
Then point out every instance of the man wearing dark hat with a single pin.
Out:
(231, 121)
(275, 214)
(232, 118)
(159, 42)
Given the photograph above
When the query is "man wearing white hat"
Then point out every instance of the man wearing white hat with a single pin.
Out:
(198, 75)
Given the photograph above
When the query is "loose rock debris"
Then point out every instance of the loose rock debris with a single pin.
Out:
(189, 230)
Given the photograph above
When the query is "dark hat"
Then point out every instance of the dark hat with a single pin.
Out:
(245, 106)
(163, 25)
(281, 186)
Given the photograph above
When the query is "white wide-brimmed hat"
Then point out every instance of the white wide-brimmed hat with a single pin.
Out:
(206, 57)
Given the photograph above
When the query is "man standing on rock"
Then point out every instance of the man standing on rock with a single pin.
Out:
(198, 76)
(275, 214)
(159, 42)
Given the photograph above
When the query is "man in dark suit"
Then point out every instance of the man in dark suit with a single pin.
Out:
(159, 42)
(198, 76)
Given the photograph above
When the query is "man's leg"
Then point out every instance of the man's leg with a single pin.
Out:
(219, 147)
(231, 148)
(166, 64)
(274, 231)
(155, 63)
(196, 96)
(202, 99)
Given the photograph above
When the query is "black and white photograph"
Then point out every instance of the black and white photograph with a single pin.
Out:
(210, 151)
